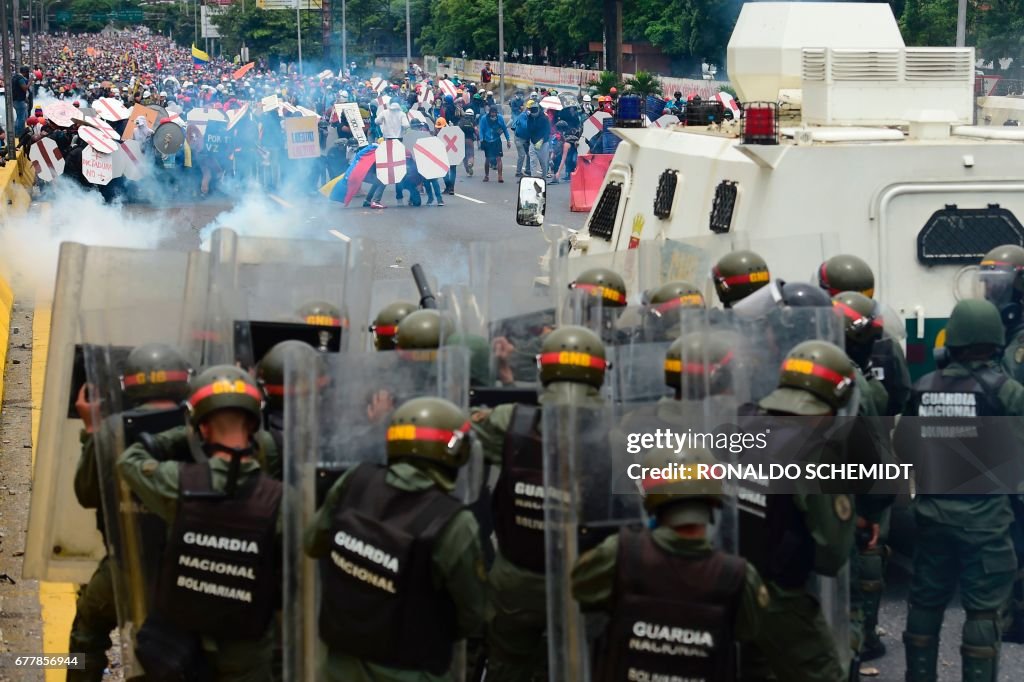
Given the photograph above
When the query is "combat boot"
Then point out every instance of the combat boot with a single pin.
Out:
(922, 657)
(980, 663)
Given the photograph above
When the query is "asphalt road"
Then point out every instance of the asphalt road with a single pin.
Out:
(401, 235)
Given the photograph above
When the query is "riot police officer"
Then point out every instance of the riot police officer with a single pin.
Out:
(663, 305)
(604, 284)
(270, 372)
(961, 539)
(1002, 274)
(738, 274)
(803, 534)
(846, 272)
(155, 378)
(220, 576)
(385, 325)
(511, 436)
(863, 328)
(602, 302)
(423, 331)
(323, 314)
(669, 577)
(402, 567)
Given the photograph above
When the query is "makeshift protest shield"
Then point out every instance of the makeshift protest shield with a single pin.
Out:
(63, 544)
(337, 413)
(137, 403)
(264, 291)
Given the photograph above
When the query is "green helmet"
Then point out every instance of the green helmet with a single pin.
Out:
(433, 429)
(739, 274)
(223, 387)
(846, 272)
(1002, 272)
(664, 306)
(603, 283)
(385, 326)
(155, 371)
(817, 378)
(670, 478)
(861, 315)
(323, 314)
(423, 330)
(674, 295)
(702, 358)
(270, 371)
(974, 322)
(573, 354)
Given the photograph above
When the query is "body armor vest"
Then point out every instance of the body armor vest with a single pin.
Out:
(956, 435)
(886, 367)
(380, 603)
(221, 570)
(519, 492)
(673, 616)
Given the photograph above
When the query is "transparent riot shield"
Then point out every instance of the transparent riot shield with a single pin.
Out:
(264, 291)
(506, 311)
(134, 536)
(63, 544)
(337, 412)
(767, 338)
(589, 498)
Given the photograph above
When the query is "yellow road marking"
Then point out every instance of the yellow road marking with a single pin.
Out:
(56, 600)
(6, 301)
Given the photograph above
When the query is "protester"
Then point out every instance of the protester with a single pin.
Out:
(492, 127)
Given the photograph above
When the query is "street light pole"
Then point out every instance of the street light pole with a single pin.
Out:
(961, 23)
(344, 39)
(408, 36)
(19, 56)
(501, 52)
(298, 31)
(5, 44)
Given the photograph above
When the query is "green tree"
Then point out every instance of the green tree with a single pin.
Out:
(268, 32)
(1000, 30)
(644, 83)
(929, 22)
(604, 83)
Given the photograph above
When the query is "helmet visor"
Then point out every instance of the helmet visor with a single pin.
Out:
(995, 286)
(758, 304)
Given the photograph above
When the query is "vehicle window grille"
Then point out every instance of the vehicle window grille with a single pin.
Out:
(961, 236)
(723, 206)
(602, 222)
(666, 194)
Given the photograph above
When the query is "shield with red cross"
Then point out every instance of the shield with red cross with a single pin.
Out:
(454, 141)
(390, 158)
(431, 161)
(46, 159)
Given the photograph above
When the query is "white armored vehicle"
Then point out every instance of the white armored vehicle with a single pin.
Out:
(852, 142)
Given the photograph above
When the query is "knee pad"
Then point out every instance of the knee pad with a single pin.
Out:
(981, 632)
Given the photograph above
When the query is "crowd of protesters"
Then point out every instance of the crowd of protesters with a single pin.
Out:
(137, 67)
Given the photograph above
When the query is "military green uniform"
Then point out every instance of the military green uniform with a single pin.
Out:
(961, 541)
(593, 578)
(457, 566)
(156, 483)
(95, 610)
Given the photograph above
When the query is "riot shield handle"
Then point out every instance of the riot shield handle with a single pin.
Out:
(427, 299)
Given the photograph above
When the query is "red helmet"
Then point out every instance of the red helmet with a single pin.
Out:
(613, 90)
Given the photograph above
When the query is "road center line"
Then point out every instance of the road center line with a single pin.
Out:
(280, 201)
(475, 201)
(341, 236)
